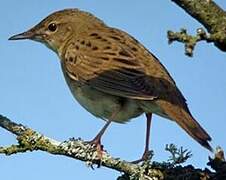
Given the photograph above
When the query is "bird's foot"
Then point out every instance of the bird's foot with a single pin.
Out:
(98, 146)
(145, 157)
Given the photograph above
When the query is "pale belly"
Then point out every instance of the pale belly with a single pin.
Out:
(102, 105)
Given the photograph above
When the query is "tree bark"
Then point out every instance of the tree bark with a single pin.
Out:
(211, 16)
(30, 140)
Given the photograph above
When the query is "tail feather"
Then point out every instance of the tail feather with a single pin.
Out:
(188, 123)
(193, 128)
(183, 118)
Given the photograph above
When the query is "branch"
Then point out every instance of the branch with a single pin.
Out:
(211, 16)
(30, 140)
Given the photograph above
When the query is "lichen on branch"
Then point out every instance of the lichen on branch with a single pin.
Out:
(30, 140)
(211, 16)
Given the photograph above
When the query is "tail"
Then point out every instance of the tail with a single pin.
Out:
(184, 119)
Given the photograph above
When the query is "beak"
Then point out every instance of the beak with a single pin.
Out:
(24, 35)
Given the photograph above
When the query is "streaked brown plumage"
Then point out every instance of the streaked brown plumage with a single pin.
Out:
(111, 74)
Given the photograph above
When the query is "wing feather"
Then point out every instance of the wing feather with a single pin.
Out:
(115, 66)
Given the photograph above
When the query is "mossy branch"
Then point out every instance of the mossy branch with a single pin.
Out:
(211, 16)
(30, 140)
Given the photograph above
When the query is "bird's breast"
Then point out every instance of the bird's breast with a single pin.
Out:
(102, 105)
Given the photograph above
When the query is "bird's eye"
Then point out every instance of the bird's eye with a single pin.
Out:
(52, 27)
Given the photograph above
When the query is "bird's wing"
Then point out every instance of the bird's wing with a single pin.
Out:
(110, 64)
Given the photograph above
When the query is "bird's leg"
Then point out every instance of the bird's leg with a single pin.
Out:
(146, 149)
(146, 153)
(97, 140)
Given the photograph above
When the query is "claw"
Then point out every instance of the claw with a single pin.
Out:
(99, 147)
(145, 157)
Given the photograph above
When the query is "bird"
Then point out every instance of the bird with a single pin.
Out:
(112, 75)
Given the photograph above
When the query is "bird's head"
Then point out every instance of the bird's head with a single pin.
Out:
(57, 28)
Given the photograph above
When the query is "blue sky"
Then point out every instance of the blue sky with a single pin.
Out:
(33, 91)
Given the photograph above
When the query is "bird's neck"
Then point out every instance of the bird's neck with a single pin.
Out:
(63, 46)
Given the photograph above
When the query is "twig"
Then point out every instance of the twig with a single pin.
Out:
(211, 16)
(30, 140)
(178, 156)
